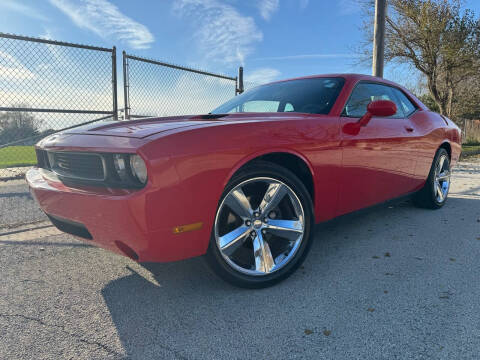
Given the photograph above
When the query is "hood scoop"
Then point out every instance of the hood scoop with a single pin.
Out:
(139, 128)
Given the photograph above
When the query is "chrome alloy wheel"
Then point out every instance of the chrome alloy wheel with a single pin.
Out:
(259, 226)
(442, 179)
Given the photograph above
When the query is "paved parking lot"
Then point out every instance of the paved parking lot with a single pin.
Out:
(392, 283)
(16, 204)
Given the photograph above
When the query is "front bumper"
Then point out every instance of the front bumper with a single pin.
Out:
(122, 221)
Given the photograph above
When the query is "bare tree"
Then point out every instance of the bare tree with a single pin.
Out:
(440, 40)
(15, 125)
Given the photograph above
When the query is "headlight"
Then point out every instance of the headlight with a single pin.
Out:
(139, 169)
(119, 163)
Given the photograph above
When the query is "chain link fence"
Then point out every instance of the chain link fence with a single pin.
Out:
(471, 131)
(155, 88)
(48, 86)
(45, 86)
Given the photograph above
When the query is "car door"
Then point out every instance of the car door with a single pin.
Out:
(422, 147)
(378, 163)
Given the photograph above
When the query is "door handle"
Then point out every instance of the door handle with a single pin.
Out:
(409, 129)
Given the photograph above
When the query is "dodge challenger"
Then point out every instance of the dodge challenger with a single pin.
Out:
(245, 184)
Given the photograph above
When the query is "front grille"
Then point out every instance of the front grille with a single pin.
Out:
(83, 166)
(42, 159)
(86, 168)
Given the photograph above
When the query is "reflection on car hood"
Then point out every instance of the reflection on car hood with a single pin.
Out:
(150, 126)
(136, 128)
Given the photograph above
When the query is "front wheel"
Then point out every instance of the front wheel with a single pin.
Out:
(435, 191)
(263, 227)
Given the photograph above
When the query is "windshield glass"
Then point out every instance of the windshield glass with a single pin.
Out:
(313, 96)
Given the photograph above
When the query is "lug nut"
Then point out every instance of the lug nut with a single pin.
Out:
(256, 214)
(272, 215)
(253, 234)
(264, 231)
(248, 223)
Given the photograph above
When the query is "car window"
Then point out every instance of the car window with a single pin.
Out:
(288, 108)
(364, 93)
(313, 96)
(407, 106)
(261, 106)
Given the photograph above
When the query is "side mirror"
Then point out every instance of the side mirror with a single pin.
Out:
(382, 108)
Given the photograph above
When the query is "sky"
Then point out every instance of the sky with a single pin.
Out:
(271, 39)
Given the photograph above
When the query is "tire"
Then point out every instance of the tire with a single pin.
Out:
(257, 243)
(434, 193)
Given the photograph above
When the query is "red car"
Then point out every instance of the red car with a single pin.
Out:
(246, 183)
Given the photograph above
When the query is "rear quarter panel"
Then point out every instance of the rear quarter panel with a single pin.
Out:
(433, 131)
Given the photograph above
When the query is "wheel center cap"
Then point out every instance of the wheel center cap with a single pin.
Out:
(257, 223)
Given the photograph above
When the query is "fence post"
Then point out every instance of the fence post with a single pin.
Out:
(114, 83)
(126, 113)
(240, 87)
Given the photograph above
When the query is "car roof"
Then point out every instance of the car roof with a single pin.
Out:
(346, 76)
(354, 78)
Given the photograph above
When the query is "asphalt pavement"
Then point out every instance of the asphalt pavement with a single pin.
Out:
(395, 282)
(17, 205)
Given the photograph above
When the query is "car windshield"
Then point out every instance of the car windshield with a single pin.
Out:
(313, 96)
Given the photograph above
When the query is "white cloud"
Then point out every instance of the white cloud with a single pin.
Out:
(222, 33)
(23, 9)
(262, 76)
(308, 56)
(267, 8)
(58, 54)
(106, 20)
(11, 68)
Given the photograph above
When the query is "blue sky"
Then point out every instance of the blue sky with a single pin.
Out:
(272, 39)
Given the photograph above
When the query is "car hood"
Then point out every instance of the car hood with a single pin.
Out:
(151, 126)
(137, 128)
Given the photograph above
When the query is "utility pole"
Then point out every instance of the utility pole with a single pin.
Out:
(379, 37)
(239, 88)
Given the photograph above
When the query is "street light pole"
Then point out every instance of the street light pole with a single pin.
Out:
(379, 37)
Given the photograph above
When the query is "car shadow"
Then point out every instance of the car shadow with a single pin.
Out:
(182, 310)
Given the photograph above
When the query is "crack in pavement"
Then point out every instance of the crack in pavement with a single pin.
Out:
(62, 328)
(79, 338)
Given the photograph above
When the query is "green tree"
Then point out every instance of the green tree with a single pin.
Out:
(440, 40)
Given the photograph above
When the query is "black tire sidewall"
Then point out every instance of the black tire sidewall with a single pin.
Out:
(441, 152)
(427, 197)
(215, 258)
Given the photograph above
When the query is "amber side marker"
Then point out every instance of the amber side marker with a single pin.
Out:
(186, 228)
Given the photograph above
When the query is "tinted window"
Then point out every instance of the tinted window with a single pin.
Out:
(260, 106)
(364, 93)
(405, 103)
(314, 96)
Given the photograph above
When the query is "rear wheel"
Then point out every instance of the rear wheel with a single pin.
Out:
(435, 191)
(262, 227)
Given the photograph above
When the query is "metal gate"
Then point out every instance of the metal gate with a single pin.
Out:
(45, 86)
(156, 88)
